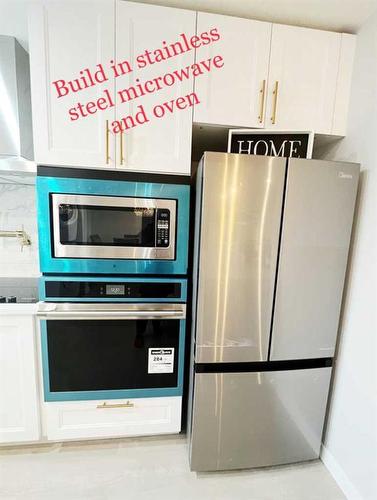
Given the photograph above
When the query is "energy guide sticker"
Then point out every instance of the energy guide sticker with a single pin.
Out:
(161, 360)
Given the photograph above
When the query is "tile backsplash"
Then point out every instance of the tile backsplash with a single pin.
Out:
(18, 211)
(25, 289)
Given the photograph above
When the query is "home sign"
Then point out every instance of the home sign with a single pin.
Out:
(271, 143)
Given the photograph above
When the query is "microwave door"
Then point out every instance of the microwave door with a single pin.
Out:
(105, 227)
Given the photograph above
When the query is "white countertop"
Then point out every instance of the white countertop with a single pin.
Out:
(18, 308)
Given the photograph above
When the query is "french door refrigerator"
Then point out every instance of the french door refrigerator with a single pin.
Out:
(271, 246)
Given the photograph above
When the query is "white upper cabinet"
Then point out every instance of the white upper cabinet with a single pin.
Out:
(69, 41)
(289, 78)
(158, 144)
(19, 415)
(235, 94)
(266, 76)
(343, 87)
(303, 79)
(65, 39)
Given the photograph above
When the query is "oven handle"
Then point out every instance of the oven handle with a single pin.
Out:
(112, 315)
(63, 311)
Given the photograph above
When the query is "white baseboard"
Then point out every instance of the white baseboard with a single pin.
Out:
(339, 475)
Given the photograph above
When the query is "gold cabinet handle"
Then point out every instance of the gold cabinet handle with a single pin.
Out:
(107, 142)
(275, 94)
(261, 109)
(119, 405)
(121, 148)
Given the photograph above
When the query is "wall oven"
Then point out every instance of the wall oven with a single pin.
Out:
(111, 225)
(109, 338)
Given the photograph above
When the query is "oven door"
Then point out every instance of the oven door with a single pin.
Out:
(111, 350)
(113, 227)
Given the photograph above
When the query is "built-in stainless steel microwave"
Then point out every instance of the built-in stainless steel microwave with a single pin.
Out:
(107, 225)
(113, 227)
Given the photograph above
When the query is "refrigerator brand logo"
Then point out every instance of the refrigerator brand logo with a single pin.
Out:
(343, 175)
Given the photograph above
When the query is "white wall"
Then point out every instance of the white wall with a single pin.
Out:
(350, 450)
(17, 209)
(13, 20)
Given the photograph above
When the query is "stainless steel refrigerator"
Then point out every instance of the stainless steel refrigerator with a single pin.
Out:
(271, 246)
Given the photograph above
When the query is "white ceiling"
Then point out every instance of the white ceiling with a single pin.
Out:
(336, 15)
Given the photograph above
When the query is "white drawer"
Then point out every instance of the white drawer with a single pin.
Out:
(112, 418)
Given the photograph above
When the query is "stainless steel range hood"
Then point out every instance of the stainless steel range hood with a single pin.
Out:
(16, 138)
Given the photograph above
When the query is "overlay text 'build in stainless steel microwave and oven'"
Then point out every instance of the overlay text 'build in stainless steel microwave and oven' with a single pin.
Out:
(104, 226)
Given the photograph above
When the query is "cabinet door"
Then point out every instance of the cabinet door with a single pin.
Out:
(302, 79)
(18, 381)
(66, 38)
(234, 94)
(112, 418)
(161, 144)
(343, 88)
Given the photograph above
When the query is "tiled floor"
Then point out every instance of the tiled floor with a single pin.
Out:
(148, 469)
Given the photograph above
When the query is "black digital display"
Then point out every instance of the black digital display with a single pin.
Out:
(115, 289)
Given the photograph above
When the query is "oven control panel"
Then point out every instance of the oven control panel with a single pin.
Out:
(107, 290)
(163, 227)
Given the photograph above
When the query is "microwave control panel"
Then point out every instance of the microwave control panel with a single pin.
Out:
(163, 227)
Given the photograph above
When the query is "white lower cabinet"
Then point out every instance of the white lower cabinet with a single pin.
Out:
(19, 415)
(112, 418)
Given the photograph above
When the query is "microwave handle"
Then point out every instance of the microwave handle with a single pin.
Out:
(110, 315)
